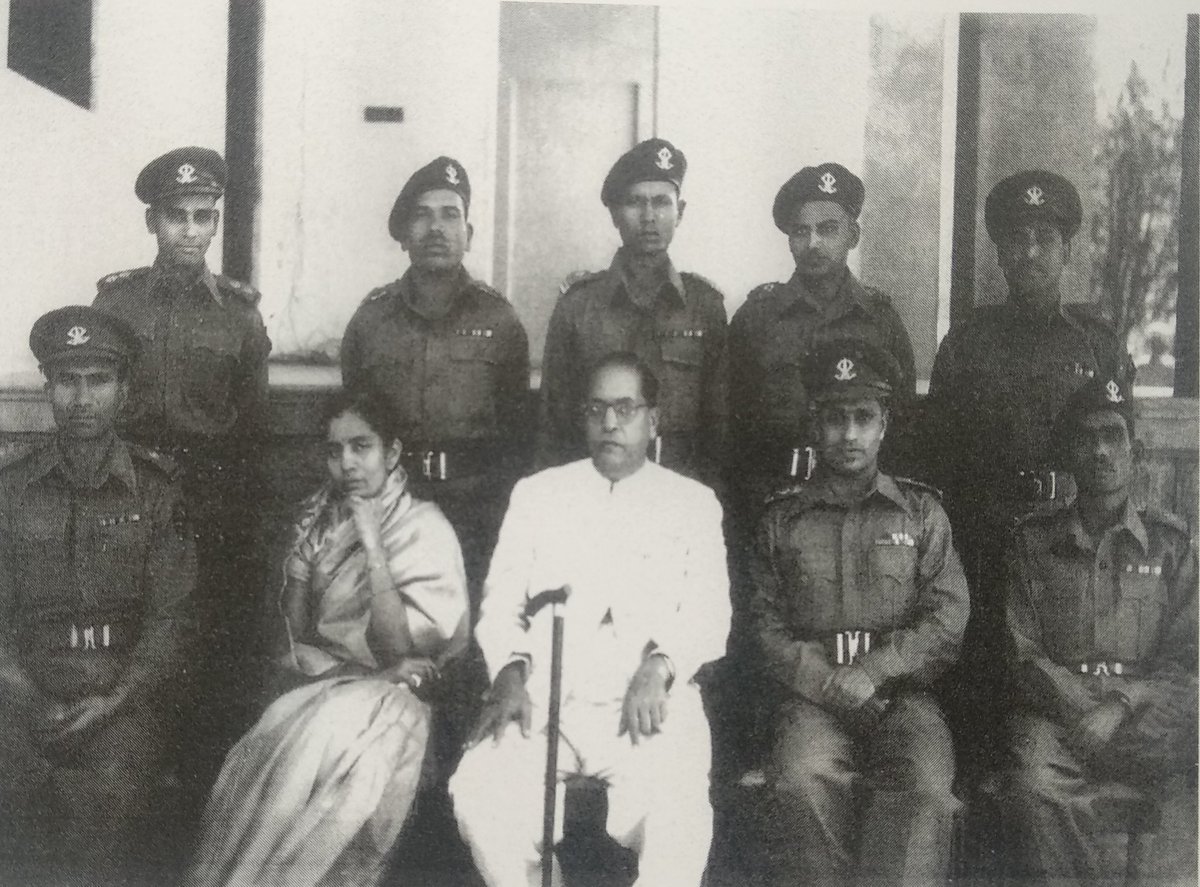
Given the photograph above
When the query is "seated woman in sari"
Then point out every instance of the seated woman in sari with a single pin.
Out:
(374, 601)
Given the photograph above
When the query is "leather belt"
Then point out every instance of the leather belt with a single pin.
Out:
(1109, 668)
(846, 646)
(84, 634)
(1032, 486)
(448, 461)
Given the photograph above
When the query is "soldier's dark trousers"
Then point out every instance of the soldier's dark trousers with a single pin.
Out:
(1058, 804)
(871, 807)
(98, 815)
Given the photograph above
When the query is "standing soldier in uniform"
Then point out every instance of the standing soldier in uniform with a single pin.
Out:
(998, 381)
(1102, 615)
(674, 321)
(198, 393)
(451, 357)
(780, 324)
(859, 604)
(96, 575)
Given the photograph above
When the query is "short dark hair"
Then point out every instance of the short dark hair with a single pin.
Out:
(370, 406)
(627, 360)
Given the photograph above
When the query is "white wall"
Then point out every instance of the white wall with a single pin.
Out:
(329, 178)
(70, 215)
(751, 97)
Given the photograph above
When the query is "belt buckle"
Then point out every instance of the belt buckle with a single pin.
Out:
(85, 639)
(1045, 484)
(810, 462)
(427, 463)
(850, 644)
(1096, 669)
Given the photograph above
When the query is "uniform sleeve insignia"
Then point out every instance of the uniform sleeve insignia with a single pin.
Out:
(576, 277)
(120, 277)
(877, 295)
(161, 461)
(762, 291)
(380, 291)
(488, 290)
(247, 293)
(690, 277)
(919, 485)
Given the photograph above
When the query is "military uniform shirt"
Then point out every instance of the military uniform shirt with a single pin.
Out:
(1128, 597)
(94, 581)
(679, 332)
(202, 370)
(998, 383)
(885, 564)
(462, 376)
(770, 336)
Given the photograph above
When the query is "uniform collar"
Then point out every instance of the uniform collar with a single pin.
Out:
(819, 490)
(49, 458)
(1072, 533)
(159, 274)
(616, 279)
(406, 290)
(848, 296)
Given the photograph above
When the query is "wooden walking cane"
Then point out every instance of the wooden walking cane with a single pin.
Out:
(557, 598)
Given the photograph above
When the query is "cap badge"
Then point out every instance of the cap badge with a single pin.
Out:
(78, 335)
(845, 370)
(452, 174)
(828, 183)
(664, 158)
(1114, 392)
(1034, 196)
(187, 174)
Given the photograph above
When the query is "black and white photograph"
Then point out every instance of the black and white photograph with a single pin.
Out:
(509, 443)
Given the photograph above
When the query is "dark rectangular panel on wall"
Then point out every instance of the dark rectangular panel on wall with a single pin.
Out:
(50, 43)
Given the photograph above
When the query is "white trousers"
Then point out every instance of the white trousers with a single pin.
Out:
(658, 802)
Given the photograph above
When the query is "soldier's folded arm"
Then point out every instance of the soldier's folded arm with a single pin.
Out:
(170, 581)
(930, 644)
(802, 666)
(1039, 681)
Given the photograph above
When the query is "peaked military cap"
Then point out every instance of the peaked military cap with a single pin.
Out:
(845, 368)
(81, 331)
(445, 173)
(1104, 392)
(829, 181)
(654, 160)
(188, 170)
(1029, 196)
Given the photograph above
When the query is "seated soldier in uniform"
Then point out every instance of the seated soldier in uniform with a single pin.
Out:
(97, 570)
(1102, 613)
(374, 603)
(859, 603)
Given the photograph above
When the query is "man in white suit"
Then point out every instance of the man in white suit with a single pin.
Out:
(642, 551)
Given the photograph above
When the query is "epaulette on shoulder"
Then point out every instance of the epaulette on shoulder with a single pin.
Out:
(576, 277)
(914, 484)
(762, 291)
(161, 461)
(380, 291)
(788, 492)
(1086, 312)
(692, 275)
(877, 295)
(1160, 516)
(120, 277)
(245, 291)
(488, 290)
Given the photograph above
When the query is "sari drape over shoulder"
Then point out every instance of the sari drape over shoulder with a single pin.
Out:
(317, 791)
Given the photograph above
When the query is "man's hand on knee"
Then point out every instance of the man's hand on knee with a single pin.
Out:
(848, 689)
(506, 701)
(645, 707)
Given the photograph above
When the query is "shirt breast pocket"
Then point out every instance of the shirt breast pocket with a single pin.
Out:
(1139, 615)
(893, 571)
